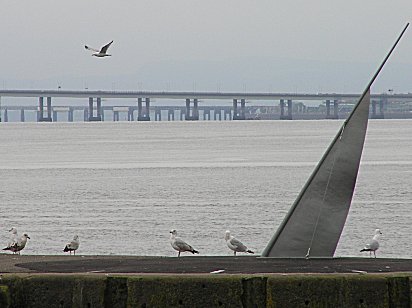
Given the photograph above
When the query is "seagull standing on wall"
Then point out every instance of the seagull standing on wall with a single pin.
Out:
(234, 244)
(102, 53)
(179, 244)
(374, 244)
(73, 245)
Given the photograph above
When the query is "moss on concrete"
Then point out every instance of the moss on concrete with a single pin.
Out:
(338, 290)
(116, 293)
(5, 300)
(95, 291)
(178, 291)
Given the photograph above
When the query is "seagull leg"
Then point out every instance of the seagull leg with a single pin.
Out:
(234, 253)
(374, 254)
(178, 254)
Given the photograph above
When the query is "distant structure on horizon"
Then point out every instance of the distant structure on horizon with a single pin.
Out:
(198, 106)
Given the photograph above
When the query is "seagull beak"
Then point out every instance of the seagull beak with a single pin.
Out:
(28, 237)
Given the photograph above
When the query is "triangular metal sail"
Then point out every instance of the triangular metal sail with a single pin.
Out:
(313, 225)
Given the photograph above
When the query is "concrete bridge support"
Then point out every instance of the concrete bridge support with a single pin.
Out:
(377, 114)
(239, 114)
(335, 109)
(6, 115)
(206, 114)
(143, 114)
(217, 113)
(48, 117)
(22, 118)
(70, 114)
(158, 114)
(98, 116)
(192, 114)
(170, 114)
(284, 116)
(227, 115)
(130, 114)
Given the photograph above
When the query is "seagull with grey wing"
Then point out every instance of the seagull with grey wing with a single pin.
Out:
(19, 244)
(235, 245)
(100, 53)
(179, 244)
(373, 245)
(73, 245)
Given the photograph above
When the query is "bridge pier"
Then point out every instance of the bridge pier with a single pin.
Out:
(98, 116)
(6, 116)
(227, 115)
(239, 115)
(217, 113)
(284, 116)
(70, 114)
(158, 114)
(22, 118)
(376, 115)
(115, 116)
(192, 114)
(206, 114)
(170, 114)
(143, 114)
(130, 114)
(41, 117)
(335, 109)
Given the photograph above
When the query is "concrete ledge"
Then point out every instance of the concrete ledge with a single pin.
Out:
(102, 290)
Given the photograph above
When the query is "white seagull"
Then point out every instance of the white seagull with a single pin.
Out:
(19, 244)
(100, 53)
(73, 245)
(234, 244)
(179, 244)
(373, 245)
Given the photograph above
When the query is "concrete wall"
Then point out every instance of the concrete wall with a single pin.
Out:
(99, 290)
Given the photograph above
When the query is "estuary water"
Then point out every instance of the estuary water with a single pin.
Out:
(121, 186)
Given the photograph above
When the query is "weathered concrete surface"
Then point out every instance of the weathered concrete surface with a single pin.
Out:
(110, 290)
(197, 264)
(126, 281)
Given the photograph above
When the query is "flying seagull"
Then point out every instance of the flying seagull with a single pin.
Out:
(373, 245)
(73, 245)
(179, 244)
(234, 244)
(18, 245)
(102, 53)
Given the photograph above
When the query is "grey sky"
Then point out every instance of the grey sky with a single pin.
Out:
(282, 46)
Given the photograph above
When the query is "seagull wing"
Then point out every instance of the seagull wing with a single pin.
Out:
(238, 244)
(105, 47)
(90, 48)
(182, 245)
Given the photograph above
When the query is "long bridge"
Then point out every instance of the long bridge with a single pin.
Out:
(290, 105)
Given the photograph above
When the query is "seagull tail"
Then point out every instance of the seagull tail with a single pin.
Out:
(249, 251)
(194, 251)
(366, 249)
(66, 249)
(7, 248)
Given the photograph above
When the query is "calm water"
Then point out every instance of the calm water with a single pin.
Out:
(122, 186)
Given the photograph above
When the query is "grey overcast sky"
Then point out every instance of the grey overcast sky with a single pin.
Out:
(226, 45)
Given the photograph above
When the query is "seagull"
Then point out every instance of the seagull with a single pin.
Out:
(234, 244)
(102, 53)
(374, 244)
(73, 245)
(13, 239)
(18, 245)
(179, 244)
(13, 236)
